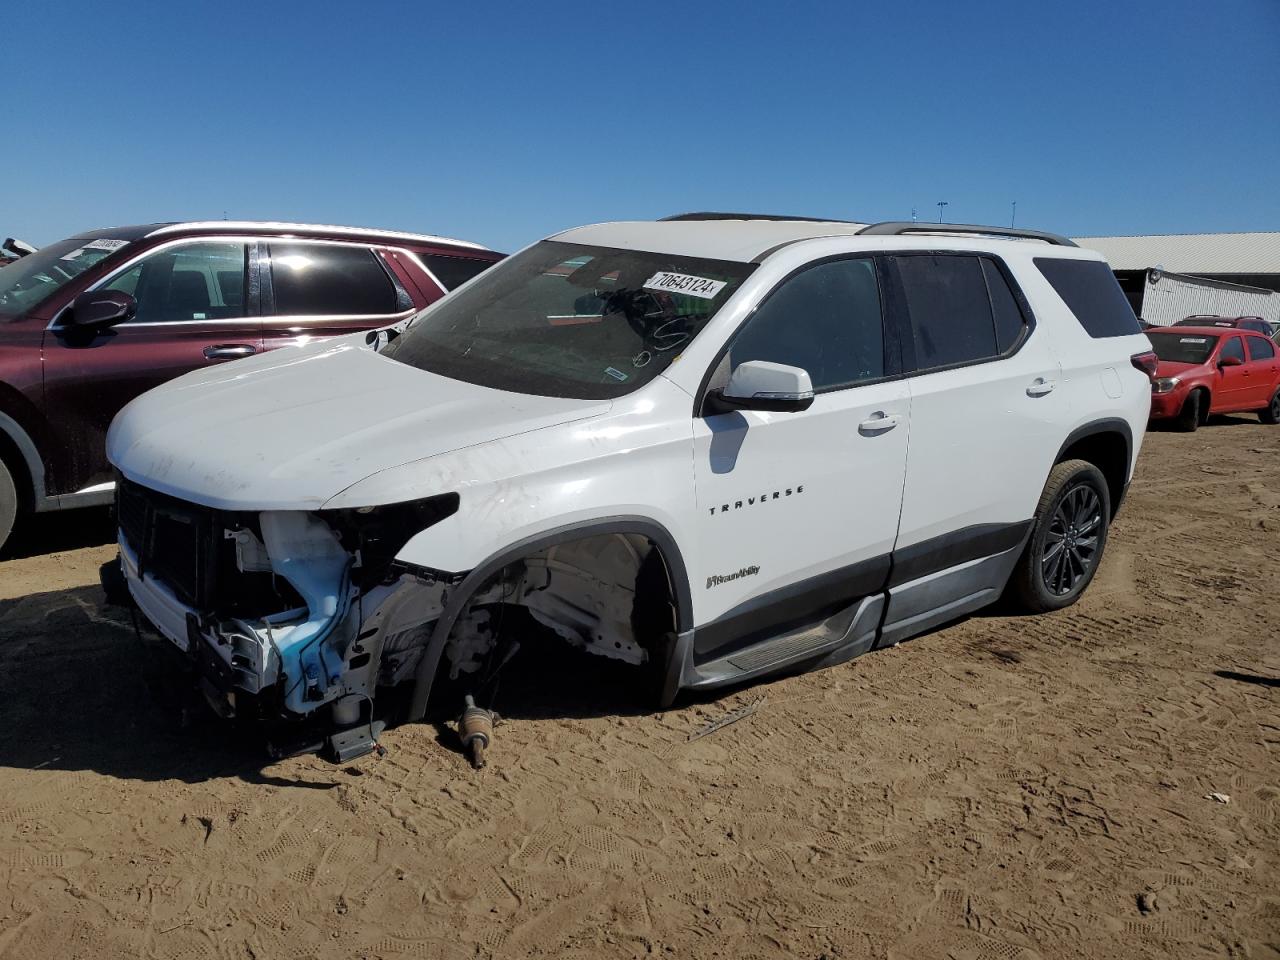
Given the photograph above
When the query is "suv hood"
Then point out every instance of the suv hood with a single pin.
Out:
(290, 429)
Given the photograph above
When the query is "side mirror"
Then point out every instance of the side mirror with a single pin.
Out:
(1229, 361)
(761, 385)
(102, 308)
(17, 247)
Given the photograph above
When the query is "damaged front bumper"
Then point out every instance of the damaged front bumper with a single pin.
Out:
(289, 611)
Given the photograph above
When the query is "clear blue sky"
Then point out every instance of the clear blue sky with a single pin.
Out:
(502, 122)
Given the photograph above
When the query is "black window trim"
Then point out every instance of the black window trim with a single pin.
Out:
(906, 335)
(892, 346)
(268, 290)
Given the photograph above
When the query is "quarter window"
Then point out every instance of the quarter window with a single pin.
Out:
(825, 320)
(952, 320)
(197, 281)
(454, 271)
(1090, 290)
(1260, 349)
(1232, 348)
(310, 279)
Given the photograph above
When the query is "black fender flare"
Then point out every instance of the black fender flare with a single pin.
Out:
(424, 676)
(1106, 425)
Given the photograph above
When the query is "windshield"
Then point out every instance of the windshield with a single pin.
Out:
(26, 282)
(568, 320)
(1180, 348)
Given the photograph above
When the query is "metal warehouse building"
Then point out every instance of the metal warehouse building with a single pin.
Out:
(1169, 277)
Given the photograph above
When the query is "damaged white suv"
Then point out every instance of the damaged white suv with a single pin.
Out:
(714, 447)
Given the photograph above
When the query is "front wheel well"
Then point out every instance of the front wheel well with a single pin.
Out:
(611, 594)
(1108, 450)
(1206, 401)
(13, 461)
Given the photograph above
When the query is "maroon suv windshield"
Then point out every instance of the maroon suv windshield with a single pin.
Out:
(28, 282)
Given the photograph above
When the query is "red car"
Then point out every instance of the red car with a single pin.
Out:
(1209, 369)
(89, 323)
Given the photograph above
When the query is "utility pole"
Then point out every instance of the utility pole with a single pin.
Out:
(1013, 216)
(941, 204)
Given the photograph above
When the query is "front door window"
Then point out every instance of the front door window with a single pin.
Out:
(193, 282)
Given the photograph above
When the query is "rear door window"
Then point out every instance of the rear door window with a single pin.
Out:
(1010, 323)
(314, 279)
(1260, 349)
(950, 309)
(1091, 292)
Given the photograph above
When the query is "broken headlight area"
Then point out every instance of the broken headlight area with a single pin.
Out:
(287, 610)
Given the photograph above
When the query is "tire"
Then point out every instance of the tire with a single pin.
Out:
(8, 503)
(115, 588)
(1073, 515)
(1189, 417)
(1271, 413)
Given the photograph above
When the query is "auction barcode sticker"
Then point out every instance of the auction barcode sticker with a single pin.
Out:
(690, 286)
(1193, 339)
(105, 244)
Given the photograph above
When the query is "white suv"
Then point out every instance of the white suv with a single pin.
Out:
(715, 447)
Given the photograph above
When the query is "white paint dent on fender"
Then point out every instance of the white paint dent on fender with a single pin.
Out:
(635, 460)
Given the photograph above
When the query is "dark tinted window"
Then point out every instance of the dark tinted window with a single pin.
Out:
(1261, 349)
(195, 281)
(1009, 320)
(454, 271)
(1232, 348)
(951, 320)
(1180, 347)
(1090, 289)
(1261, 326)
(316, 278)
(825, 320)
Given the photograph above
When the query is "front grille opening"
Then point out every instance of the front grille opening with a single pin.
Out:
(183, 546)
(174, 552)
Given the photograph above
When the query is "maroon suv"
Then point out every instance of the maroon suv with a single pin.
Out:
(89, 323)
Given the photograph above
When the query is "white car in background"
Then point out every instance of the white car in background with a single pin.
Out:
(715, 447)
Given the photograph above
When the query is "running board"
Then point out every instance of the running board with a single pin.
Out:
(840, 637)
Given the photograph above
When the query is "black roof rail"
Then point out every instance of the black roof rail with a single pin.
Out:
(709, 215)
(898, 228)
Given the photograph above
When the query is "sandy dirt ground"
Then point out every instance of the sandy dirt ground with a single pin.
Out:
(1002, 789)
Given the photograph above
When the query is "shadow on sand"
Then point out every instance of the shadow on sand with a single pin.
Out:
(81, 690)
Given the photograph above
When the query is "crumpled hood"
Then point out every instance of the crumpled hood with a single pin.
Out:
(292, 428)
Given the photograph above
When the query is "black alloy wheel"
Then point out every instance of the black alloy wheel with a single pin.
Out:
(1071, 543)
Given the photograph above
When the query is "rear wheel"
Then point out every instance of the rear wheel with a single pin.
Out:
(1067, 540)
(8, 503)
(1271, 413)
(1192, 412)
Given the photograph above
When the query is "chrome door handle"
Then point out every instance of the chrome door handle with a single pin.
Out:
(1040, 387)
(879, 423)
(229, 351)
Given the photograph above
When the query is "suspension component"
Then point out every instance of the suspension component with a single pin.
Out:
(475, 728)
